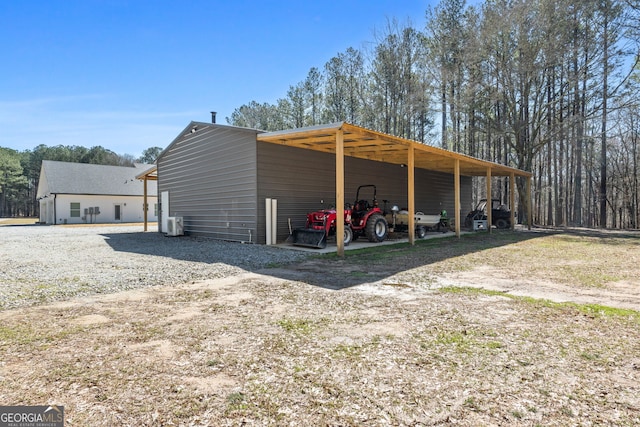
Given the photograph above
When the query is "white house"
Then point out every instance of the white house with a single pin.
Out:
(81, 193)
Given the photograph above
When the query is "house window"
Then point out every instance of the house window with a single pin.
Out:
(155, 209)
(74, 211)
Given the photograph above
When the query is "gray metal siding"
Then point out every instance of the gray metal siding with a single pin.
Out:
(304, 180)
(211, 179)
(301, 181)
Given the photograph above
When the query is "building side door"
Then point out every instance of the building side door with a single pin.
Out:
(118, 212)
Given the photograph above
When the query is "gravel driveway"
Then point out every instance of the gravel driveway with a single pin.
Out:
(47, 263)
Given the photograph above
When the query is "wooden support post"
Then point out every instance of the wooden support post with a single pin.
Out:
(146, 205)
(529, 208)
(340, 192)
(489, 201)
(512, 199)
(411, 191)
(456, 185)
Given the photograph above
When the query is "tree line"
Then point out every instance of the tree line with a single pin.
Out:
(20, 171)
(548, 86)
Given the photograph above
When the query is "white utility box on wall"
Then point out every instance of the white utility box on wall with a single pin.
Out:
(175, 226)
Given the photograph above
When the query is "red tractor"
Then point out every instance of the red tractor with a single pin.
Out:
(361, 218)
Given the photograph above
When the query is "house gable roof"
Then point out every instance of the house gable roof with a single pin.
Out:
(83, 178)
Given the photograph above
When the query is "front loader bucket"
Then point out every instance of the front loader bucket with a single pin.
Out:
(310, 238)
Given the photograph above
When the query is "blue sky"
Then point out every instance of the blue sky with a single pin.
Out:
(128, 75)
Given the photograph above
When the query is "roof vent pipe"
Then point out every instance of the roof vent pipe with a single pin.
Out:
(213, 117)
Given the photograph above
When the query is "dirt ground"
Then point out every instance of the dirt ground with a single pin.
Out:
(407, 336)
(577, 265)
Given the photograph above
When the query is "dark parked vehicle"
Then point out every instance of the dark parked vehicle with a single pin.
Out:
(500, 214)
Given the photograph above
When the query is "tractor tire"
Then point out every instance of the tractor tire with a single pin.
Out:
(377, 228)
(348, 235)
(502, 223)
(421, 231)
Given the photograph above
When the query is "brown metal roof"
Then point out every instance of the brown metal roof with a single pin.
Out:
(368, 144)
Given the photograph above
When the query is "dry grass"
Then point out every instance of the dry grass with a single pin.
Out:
(257, 349)
(18, 221)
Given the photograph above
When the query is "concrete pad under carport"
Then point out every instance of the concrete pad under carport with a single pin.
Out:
(363, 243)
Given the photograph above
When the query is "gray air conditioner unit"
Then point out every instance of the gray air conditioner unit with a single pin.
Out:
(175, 226)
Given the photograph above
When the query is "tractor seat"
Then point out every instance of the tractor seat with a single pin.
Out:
(359, 209)
(361, 205)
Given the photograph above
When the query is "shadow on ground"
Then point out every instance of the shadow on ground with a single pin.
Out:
(372, 263)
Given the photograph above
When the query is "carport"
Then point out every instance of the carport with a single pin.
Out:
(344, 139)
